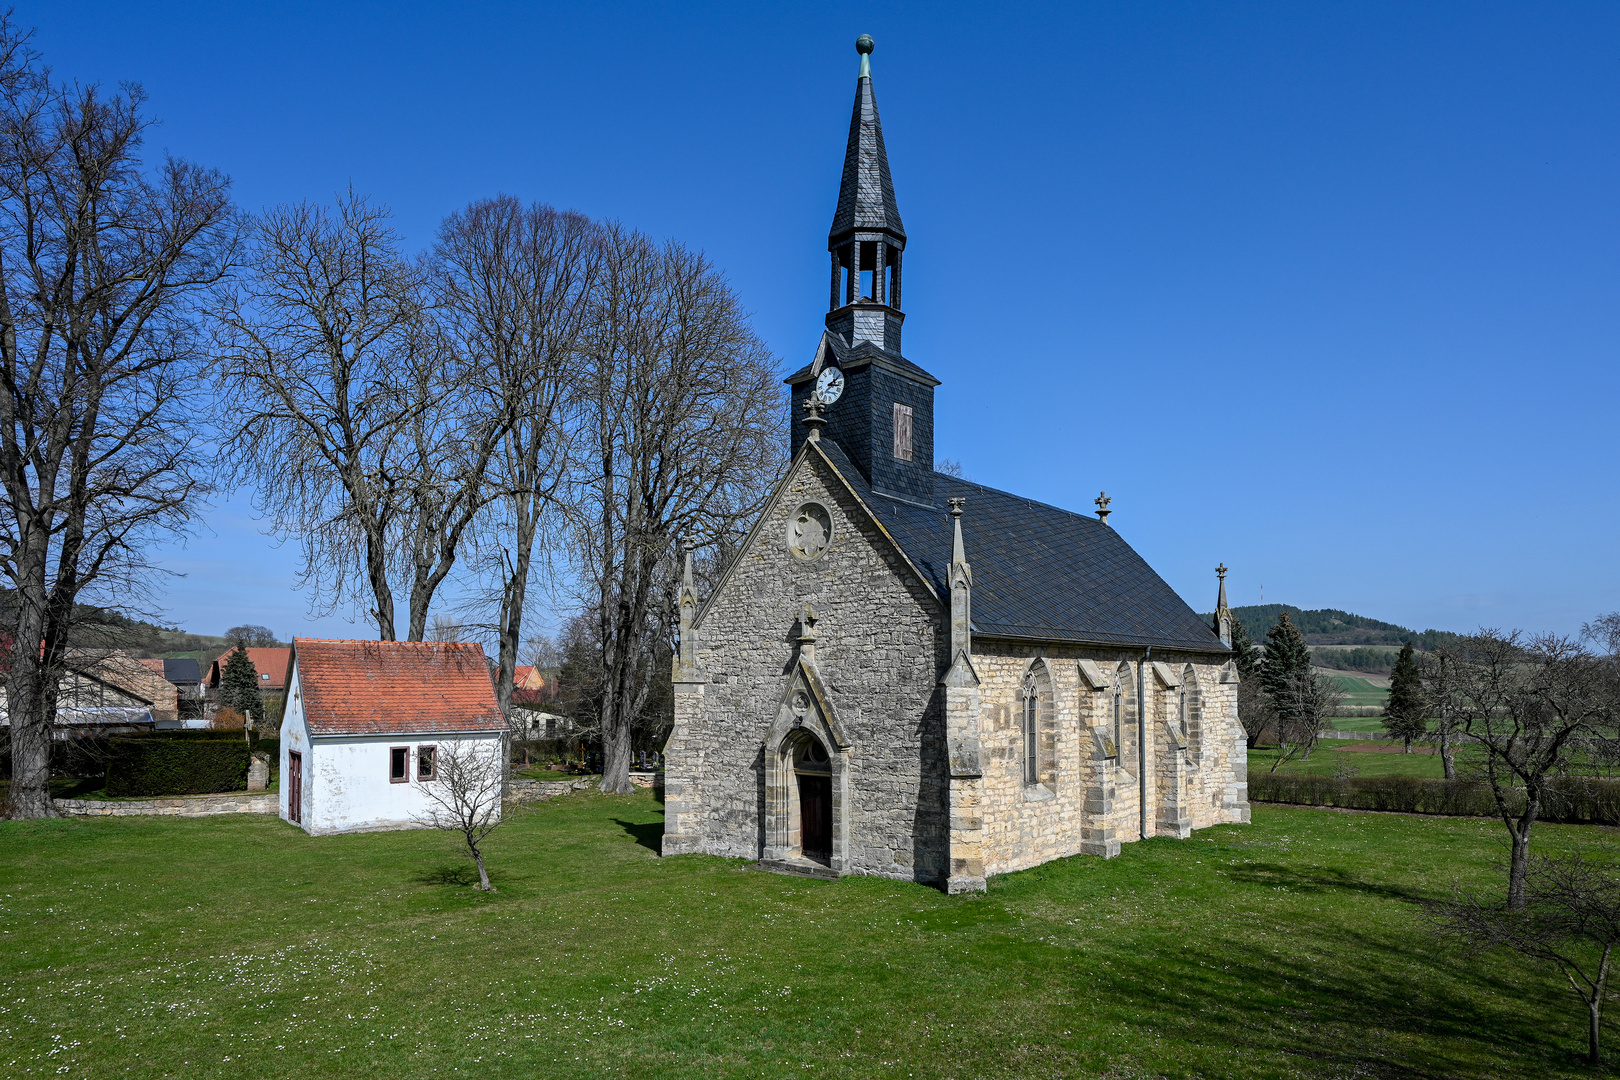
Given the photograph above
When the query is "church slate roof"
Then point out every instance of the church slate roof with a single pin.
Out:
(866, 193)
(1039, 572)
(850, 357)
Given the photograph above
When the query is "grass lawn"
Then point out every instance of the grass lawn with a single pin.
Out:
(1354, 723)
(1355, 757)
(237, 946)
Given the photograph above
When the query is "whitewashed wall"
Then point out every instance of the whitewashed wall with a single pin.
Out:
(294, 736)
(346, 785)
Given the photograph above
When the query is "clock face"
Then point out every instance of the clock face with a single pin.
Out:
(830, 386)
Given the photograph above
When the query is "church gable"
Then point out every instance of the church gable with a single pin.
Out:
(815, 534)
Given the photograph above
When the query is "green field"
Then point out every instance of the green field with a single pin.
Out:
(237, 946)
(1360, 691)
(1347, 757)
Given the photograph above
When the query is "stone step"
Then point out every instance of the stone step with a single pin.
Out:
(798, 868)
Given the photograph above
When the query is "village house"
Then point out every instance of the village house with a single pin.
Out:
(366, 723)
(906, 674)
(271, 664)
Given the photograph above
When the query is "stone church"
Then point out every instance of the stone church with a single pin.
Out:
(907, 674)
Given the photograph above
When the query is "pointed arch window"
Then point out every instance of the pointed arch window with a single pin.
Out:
(1037, 732)
(1191, 708)
(1032, 730)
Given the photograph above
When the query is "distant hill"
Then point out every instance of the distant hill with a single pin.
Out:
(1330, 626)
(109, 628)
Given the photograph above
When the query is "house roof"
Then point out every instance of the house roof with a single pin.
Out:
(182, 672)
(185, 671)
(394, 687)
(271, 662)
(1039, 572)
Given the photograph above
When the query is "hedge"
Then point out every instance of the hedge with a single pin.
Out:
(1574, 800)
(177, 763)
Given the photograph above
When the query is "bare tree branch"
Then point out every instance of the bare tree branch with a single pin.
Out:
(99, 263)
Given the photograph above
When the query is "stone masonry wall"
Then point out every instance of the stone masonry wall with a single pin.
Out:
(181, 806)
(1026, 826)
(878, 651)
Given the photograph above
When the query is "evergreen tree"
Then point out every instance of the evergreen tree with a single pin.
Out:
(1287, 656)
(239, 684)
(1245, 653)
(1406, 711)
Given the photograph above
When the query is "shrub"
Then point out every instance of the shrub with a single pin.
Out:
(226, 718)
(1574, 800)
(178, 763)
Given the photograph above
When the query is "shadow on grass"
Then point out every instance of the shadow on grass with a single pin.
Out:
(1316, 879)
(449, 875)
(649, 834)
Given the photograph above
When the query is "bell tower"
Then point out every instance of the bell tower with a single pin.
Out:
(867, 238)
(883, 419)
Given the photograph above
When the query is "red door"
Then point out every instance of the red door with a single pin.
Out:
(295, 786)
(815, 816)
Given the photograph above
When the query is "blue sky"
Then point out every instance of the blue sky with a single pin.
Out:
(1325, 292)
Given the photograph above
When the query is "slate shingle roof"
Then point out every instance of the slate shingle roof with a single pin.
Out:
(1039, 572)
(866, 193)
(394, 687)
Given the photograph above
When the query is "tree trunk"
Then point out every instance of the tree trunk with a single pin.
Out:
(1594, 1007)
(483, 875)
(31, 695)
(1445, 755)
(1519, 862)
(30, 744)
(1408, 744)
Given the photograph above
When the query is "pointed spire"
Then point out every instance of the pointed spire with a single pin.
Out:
(687, 602)
(958, 553)
(866, 196)
(1223, 614)
(961, 588)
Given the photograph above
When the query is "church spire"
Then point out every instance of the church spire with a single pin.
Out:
(867, 237)
(1223, 614)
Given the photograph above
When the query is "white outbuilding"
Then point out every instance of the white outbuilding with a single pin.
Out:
(366, 723)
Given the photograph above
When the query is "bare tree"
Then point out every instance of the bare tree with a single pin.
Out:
(344, 403)
(99, 264)
(448, 630)
(516, 284)
(685, 419)
(252, 636)
(1300, 704)
(1527, 703)
(1440, 688)
(464, 797)
(1569, 919)
(1255, 711)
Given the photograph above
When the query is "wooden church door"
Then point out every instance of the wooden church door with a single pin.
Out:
(815, 816)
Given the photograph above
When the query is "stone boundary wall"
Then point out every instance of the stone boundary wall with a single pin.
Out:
(524, 790)
(178, 806)
(1371, 736)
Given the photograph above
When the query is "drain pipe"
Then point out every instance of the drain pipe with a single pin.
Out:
(1141, 740)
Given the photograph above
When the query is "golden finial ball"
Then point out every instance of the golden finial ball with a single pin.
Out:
(864, 44)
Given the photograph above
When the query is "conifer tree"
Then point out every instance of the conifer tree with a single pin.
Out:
(239, 684)
(1245, 653)
(1287, 657)
(1406, 711)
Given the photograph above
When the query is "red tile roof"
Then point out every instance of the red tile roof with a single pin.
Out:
(271, 662)
(394, 687)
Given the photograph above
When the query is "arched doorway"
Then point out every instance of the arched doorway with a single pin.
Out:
(812, 771)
